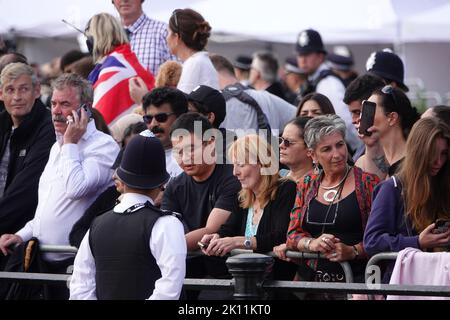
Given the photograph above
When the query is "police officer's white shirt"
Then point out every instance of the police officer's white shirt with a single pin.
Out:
(241, 116)
(167, 244)
(74, 176)
(333, 88)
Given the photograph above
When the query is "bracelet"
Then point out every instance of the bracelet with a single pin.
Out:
(307, 243)
(356, 252)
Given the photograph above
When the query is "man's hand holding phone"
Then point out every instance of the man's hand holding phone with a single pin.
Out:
(206, 239)
(76, 125)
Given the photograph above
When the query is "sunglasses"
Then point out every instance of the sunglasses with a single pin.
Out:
(389, 90)
(160, 117)
(175, 21)
(285, 142)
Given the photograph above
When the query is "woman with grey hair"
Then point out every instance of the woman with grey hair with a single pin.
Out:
(108, 44)
(332, 205)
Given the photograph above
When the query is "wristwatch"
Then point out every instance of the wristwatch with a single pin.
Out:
(248, 243)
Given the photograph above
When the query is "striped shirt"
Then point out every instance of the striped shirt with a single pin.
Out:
(148, 42)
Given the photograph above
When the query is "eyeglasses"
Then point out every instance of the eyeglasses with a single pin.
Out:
(285, 142)
(160, 117)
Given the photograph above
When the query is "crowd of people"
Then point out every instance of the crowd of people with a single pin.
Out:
(150, 149)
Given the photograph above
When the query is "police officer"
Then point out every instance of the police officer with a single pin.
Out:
(321, 79)
(134, 251)
(388, 66)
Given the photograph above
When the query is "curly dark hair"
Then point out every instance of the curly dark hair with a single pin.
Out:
(174, 97)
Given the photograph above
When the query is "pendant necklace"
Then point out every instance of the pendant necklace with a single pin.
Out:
(331, 193)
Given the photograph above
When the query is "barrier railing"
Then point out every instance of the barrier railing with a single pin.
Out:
(374, 260)
(249, 271)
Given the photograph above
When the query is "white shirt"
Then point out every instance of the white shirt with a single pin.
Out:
(167, 244)
(198, 70)
(172, 167)
(243, 116)
(334, 90)
(73, 178)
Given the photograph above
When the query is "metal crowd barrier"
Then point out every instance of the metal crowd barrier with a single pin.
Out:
(374, 260)
(249, 272)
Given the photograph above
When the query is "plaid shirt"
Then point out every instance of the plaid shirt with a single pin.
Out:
(148, 42)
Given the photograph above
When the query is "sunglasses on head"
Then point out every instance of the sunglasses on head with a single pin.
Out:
(285, 142)
(389, 90)
(175, 20)
(160, 117)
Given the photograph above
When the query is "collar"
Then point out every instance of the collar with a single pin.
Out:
(137, 24)
(316, 74)
(130, 199)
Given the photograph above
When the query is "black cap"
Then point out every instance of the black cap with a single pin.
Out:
(291, 66)
(211, 100)
(143, 164)
(243, 62)
(387, 65)
(341, 58)
(309, 41)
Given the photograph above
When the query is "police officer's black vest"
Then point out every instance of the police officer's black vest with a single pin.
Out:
(125, 266)
(311, 86)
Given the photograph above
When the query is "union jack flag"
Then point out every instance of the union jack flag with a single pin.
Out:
(110, 80)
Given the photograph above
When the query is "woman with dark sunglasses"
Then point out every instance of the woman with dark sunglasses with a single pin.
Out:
(293, 150)
(394, 118)
(188, 34)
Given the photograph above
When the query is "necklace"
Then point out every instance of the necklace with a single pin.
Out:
(332, 192)
(339, 183)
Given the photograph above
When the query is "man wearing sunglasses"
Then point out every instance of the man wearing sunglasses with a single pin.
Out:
(162, 107)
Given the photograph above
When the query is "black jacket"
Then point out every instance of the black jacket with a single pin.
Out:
(272, 227)
(29, 150)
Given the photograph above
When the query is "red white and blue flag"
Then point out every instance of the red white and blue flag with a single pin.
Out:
(110, 80)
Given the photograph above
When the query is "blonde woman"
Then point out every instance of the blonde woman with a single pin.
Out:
(261, 217)
(115, 65)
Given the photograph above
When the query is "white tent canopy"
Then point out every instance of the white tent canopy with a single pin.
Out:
(344, 21)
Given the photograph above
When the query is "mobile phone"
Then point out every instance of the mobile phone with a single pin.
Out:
(367, 117)
(441, 226)
(87, 109)
(202, 245)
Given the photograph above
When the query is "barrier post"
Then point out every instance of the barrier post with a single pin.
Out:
(249, 272)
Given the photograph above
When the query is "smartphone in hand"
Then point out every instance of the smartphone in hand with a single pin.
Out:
(367, 117)
(87, 109)
(202, 245)
(441, 226)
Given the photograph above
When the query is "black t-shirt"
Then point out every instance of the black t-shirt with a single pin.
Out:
(344, 223)
(394, 167)
(195, 200)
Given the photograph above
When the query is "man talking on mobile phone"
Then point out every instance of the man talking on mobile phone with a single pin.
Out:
(78, 170)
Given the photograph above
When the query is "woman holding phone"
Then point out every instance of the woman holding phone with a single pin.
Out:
(394, 118)
(406, 206)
